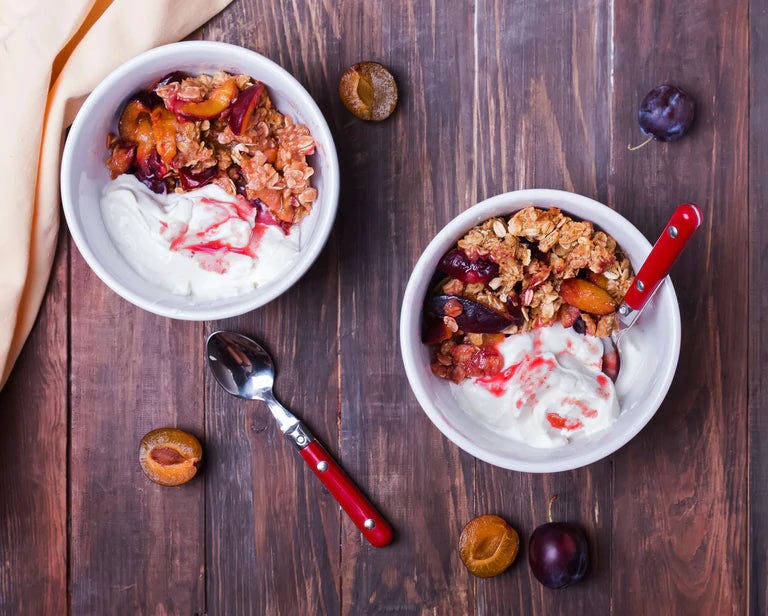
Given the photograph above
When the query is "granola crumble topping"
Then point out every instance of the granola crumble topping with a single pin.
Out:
(188, 131)
(535, 250)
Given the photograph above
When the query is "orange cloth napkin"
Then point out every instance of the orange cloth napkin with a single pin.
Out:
(52, 54)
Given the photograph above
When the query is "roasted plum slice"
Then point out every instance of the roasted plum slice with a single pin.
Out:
(242, 108)
(611, 361)
(148, 98)
(164, 133)
(171, 78)
(587, 296)
(136, 127)
(218, 102)
(122, 158)
(130, 119)
(474, 318)
(151, 173)
(191, 181)
(514, 309)
(458, 265)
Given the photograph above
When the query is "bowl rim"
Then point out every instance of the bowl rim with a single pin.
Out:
(308, 255)
(411, 309)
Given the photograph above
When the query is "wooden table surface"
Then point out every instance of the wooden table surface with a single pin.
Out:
(495, 96)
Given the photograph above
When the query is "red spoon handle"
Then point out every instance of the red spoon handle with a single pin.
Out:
(365, 516)
(679, 229)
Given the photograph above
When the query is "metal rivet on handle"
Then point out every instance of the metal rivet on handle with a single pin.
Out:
(301, 440)
(322, 466)
(672, 231)
(640, 286)
(369, 524)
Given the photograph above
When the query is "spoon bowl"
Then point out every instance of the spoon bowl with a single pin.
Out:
(244, 369)
(241, 366)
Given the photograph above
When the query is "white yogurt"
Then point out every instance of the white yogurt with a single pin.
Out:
(203, 243)
(550, 390)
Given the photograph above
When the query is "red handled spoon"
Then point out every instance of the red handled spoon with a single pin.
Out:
(684, 221)
(244, 369)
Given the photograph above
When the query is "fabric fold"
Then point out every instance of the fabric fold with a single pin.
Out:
(52, 54)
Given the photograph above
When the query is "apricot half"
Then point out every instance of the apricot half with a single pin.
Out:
(169, 456)
(587, 296)
(488, 545)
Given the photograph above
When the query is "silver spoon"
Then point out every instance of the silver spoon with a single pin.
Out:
(244, 369)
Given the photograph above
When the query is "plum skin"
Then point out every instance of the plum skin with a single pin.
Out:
(558, 554)
(666, 113)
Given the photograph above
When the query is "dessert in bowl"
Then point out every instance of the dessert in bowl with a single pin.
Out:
(217, 187)
(503, 364)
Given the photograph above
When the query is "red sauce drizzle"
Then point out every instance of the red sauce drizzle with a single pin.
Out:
(559, 422)
(586, 410)
(497, 384)
(243, 210)
(604, 388)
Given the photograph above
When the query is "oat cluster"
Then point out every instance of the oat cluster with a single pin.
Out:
(173, 150)
(536, 250)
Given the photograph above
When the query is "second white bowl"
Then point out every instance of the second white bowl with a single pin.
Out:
(657, 333)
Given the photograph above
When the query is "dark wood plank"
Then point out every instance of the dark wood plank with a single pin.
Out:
(542, 114)
(402, 180)
(272, 529)
(33, 462)
(680, 487)
(536, 106)
(758, 308)
(136, 547)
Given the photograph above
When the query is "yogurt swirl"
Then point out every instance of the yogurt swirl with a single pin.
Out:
(204, 243)
(550, 390)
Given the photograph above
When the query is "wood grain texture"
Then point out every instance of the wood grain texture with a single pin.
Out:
(758, 308)
(541, 109)
(679, 502)
(33, 462)
(494, 96)
(136, 547)
(402, 179)
(272, 529)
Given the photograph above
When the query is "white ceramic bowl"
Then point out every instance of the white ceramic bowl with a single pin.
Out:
(83, 174)
(657, 334)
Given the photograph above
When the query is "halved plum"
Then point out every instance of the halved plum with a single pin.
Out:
(242, 108)
(218, 102)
